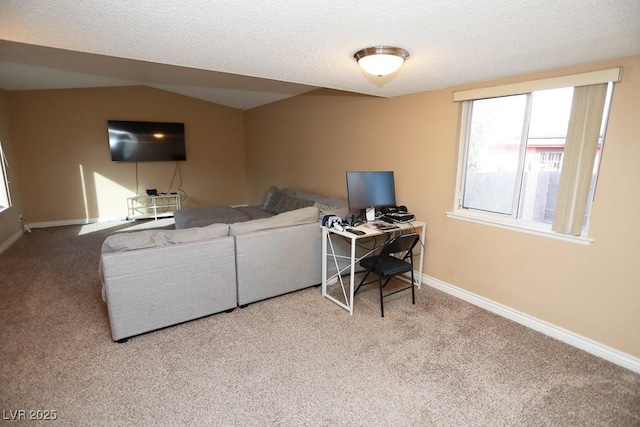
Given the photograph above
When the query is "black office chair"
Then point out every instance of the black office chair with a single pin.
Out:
(386, 266)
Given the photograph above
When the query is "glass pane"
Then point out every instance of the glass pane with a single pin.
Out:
(550, 112)
(493, 152)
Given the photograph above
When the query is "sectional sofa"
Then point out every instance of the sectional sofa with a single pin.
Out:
(157, 278)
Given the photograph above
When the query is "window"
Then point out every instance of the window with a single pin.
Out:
(514, 147)
(5, 199)
(549, 160)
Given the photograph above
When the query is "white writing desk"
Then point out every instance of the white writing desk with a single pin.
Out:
(330, 257)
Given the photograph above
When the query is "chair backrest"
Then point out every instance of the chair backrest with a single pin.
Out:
(401, 243)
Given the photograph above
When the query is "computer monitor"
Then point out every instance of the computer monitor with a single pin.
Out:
(368, 190)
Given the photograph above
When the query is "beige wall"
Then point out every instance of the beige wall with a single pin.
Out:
(311, 140)
(9, 224)
(63, 159)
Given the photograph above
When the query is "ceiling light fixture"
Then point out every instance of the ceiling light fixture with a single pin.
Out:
(381, 60)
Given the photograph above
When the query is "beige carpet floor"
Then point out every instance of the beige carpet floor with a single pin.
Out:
(295, 360)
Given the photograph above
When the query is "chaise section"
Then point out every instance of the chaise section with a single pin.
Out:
(154, 287)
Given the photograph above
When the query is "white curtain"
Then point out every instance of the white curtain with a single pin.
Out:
(579, 157)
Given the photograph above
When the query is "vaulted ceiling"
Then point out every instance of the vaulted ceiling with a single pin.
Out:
(245, 54)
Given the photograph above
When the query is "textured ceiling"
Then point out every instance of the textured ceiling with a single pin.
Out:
(244, 54)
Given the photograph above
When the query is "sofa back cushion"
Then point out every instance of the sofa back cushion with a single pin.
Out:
(335, 201)
(286, 219)
(276, 201)
(291, 203)
(327, 205)
(153, 238)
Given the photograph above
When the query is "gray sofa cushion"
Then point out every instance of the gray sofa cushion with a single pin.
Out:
(289, 203)
(206, 215)
(326, 205)
(154, 238)
(324, 209)
(254, 212)
(338, 202)
(276, 201)
(295, 217)
(271, 198)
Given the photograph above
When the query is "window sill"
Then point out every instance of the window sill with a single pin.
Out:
(520, 227)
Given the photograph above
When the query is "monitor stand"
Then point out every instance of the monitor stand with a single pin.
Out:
(370, 214)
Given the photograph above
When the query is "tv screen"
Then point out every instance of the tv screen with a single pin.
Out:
(146, 141)
(370, 189)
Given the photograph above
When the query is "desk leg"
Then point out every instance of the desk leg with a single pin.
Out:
(352, 275)
(328, 250)
(418, 279)
(325, 236)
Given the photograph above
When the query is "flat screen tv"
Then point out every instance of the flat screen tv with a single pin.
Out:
(146, 141)
(368, 190)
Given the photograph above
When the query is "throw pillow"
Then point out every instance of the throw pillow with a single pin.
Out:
(267, 196)
(273, 201)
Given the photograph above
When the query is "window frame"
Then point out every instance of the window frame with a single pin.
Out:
(504, 221)
(464, 148)
(5, 194)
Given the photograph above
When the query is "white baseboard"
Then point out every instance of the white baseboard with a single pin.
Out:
(46, 224)
(10, 241)
(14, 238)
(590, 346)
